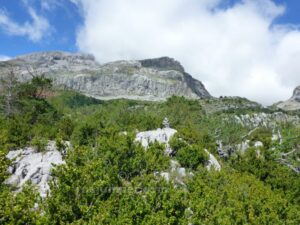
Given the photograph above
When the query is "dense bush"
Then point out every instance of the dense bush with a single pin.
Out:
(191, 156)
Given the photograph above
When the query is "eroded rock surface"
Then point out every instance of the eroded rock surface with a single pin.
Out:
(151, 79)
(268, 120)
(162, 136)
(30, 165)
(212, 162)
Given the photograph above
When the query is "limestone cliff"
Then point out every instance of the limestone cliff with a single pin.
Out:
(150, 79)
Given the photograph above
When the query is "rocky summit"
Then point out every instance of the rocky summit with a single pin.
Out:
(150, 79)
(293, 103)
(296, 94)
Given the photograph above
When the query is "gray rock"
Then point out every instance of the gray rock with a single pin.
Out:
(293, 104)
(162, 136)
(163, 63)
(166, 176)
(151, 79)
(268, 120)
(212, 162)
(258, 144)
(29, 165)
(176, 174)
(296, 94)
(243, 147)
(13, 181)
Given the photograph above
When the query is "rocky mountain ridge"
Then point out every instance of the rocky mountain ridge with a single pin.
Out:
(150, 79)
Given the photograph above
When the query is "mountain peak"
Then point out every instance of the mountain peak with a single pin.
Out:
(293, 104)
(163, 63)
(296, 94)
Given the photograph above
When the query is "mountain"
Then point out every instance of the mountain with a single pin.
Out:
(150, 79)
(293, 103)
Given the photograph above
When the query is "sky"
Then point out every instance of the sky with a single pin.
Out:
(248, 48)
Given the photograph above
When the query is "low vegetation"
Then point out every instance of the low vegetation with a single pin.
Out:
(108, 178)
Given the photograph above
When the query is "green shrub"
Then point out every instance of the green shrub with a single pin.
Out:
(60, 144)
(192, 156)
(39, 143)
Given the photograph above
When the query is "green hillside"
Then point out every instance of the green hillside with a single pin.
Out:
(109, 178)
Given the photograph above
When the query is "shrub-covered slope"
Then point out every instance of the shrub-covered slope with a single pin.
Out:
(109, 178)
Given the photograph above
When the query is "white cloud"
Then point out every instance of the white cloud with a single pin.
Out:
(234, 51)
(4, 58)
(49, 4)
(35, 29)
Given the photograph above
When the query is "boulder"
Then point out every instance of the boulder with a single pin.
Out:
(162, 136)
(30, 165)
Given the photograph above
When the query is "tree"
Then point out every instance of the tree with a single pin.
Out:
(9, 92)
(38, 87)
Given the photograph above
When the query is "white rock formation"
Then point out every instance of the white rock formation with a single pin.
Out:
(165, 175)
(258, 144)
(176, 173)
(277, 137)
(271, 120)
(162, 136)
(243, 146)
(29, 165)
(212, 162)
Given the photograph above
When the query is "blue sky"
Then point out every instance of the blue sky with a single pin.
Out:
(249, 48)
(292, 11)
(65, 19)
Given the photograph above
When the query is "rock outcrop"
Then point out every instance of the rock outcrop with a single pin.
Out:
(151, 79)
(212, 162)
(162, 136)
(296, 94)
(293, 104)
(30, 165)
(268, 120)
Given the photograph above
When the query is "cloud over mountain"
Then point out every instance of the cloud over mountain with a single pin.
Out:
(234, 49)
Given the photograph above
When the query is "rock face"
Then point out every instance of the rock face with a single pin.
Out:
(212, 162)
(162, 136)
(150, 79)
(268, 120)
(29, 165)
(293, 104)
(296, 94)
